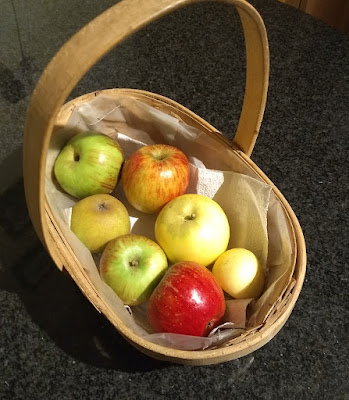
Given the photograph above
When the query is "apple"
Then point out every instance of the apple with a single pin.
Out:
(154, 175)
(89, 164)
(99, 218)
(188, 300)
(192, 227)
(239, 273)
(132, 265)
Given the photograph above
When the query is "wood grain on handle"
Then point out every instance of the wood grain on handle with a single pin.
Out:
(89, 45)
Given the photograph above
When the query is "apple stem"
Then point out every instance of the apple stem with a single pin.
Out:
(190, 217)
(160, 156)
(101, 206)
(208, 327)
(133, 263)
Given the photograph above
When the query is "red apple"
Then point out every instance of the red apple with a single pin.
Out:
(188, 300)
(154, 175)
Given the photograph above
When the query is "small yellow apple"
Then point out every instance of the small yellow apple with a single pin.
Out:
(99, 218)
(239, 273)
(194, 228)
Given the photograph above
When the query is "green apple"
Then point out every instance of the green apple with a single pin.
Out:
(99, 218)
(132, 265)
(239, 273)
(192, 227)
(89, 164)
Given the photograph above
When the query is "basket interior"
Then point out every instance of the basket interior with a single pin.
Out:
(284, 294)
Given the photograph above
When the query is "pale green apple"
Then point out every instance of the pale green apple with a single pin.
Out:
(99, 218)
(192, 227)
(89, 164)
(132, 265)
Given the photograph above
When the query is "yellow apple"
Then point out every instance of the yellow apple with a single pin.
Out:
(239, 273)
(99, 218)
(192, 227)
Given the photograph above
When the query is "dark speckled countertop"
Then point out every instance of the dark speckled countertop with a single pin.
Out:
(53, 344)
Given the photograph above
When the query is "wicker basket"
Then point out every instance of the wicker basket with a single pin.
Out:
(46, 112)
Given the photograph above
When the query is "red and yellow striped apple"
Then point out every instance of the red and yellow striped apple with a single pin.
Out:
(154, 175)
(188, 300)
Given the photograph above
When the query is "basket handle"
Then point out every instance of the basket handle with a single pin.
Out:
(89, 45)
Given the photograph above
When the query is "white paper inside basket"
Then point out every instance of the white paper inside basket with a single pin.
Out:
(243, 196)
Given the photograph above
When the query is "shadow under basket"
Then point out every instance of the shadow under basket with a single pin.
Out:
(47, 112)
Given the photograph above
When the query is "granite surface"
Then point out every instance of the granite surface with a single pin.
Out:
(53, 344)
